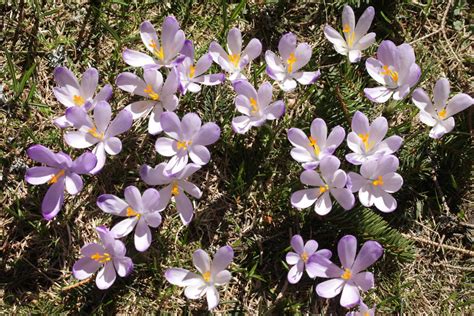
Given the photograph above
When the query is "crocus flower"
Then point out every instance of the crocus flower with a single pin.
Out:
(376, 181)
(395, 69)
(304, 259)
(310, 150)
(439, 115)
(211, 275)
(109, 255)
(191, 76)
(72, 93)
(355, 38)
(185, 138)
(256, 107)
(176, 186)
(351, 277)
(159, 95)
(366, 141)
(332, 181)
(363, 310)
(140, 211)
(60, 172)
(285, 68)
(100, 131)
(235, 61)
(166, 53)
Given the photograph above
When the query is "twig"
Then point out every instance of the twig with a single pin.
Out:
(73, 286)
(470, 269)
(343, 104)
(441, 29)
(436, 244)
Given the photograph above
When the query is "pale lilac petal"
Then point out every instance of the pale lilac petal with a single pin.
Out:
(191, 189)
(201, 261)
(219, 56)
(311, 177)
(287, 45)
(154, 78)
(323, 204)
(307, 77)
(154, 123)
(124, 227)
(140, 108)
(84, 163)
(130, 82)
(304, 198)
(190, 125)
(222, 259)
(136, 59)
(166, 146)
(374, 68)
(303, 55)
(207, 135)
(64, 96)
(296, 272)
(458, 103)
(189, 170)
(275, 68)
(387, 53)
(336, 137)
(310, 247)
(104, 94)
(441, 93)
(199, 154)
(334, 36)
(442, 127)
(330, 288)
(212, 297)
(185, 208)
(84, 268)
(245, 88)
(364, 22)
(241, 124)
(364, 280)
(99, 152)
(122, 123)
(288, 85)
(344, 197)
(385, 202)
(154, 176)
(73, 183)
(171, 124)
(370, 252)
(209, 80)
(265, 94)
(328, 166)
(142, 236)
(422, 101)
(62, 122)
(414, 74)
(348, 18)
(176, 163)
(106, 276)
(356, 181)
(113, 146)
(427, 118)
(79, 139)
(40, 175)
(111, 204)
(65, 78)
(195, 291)
(378, 94)
(297, 244)
(242, 104)
(148, 36)
(378, 129)
(123, 266)
(301, 155)
(153, 219)
(234, 41)
(203, 64)
(177, 276)
(314, 269)
(53, 200)
(401, 92)
(222, 278)
(298, 138)
(350, 295)
(275, 110)
(292, 258)
(253, 49)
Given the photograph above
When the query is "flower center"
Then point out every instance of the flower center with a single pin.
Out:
(347, 274)
(253, 104)
(183, 144)
(304, 256)
(323, 189)
(78, 100)
(366, 314)
(101, 258)
(442, 114)
(290, 61)
(378, 181)
(56, 177)
(314, 143)
(351, 35)
(175, 188)
(365, 140)
(235, 59)
(160, 53)
(192, 71)
(151, 93)
(207, 276)
(389, 72)
(131, 212)
(93, 132)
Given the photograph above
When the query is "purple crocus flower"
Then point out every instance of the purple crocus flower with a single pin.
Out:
(256, 107)
(140, 211)
(363, 310)
(211, 275)
(367, 141)
(159, 95)
(191, 76)
(100, 131)
(166, 53)
(71, 93)
(176, 187)
(304, 259)
(310, 150)
(185, 138)
(60, 172)
(355, 38)
(351, 277)
(376, 183)
(108, 255)
(439, 115)
(285, 68)
(395, 69)
(235, 61)
(332, 181)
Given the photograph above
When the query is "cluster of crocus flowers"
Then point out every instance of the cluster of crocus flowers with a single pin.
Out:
(355, 38)
(439, 114)
(60, 172)
(108, 256)
(212, 273)
(72, 93)
(285, 69)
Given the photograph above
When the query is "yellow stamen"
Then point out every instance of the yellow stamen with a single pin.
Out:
(323, 189)
(131, 212)
(388, 72)
(290, 61)
(78, 100)
(366, 314)
(235, 59)
(379, 181)
(151, 93)
(206, 276)
(160, 53)
(253, 104)
(346, 28)
(192, 71)
(93, 132)
(175, 188)
(365, 140)
(351, 37)
(347, 274)
(304, 256)
(442, 114)
(314, 143)
(101, 258)
(56, 177)
(183, 144)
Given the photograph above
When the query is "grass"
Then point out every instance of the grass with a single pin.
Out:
(248, 183)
